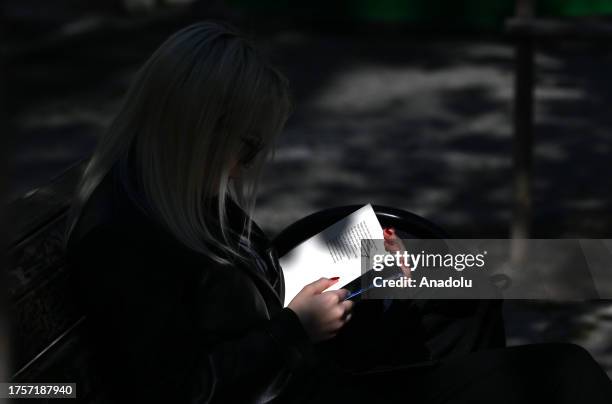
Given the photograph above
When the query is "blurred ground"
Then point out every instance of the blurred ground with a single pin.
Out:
(422, 124)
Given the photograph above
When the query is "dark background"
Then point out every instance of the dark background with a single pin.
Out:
(399, 103)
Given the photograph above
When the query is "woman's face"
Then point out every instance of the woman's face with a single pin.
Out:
(251, 146)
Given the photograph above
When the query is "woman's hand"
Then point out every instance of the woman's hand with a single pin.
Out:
(395, 244)
(322, 314)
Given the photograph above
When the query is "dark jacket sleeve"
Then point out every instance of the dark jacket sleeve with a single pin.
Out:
(165, 338)
(256, 367)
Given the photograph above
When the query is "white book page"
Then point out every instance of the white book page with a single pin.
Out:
(336, 251)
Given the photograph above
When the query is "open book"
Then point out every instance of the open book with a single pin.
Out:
(336, 251)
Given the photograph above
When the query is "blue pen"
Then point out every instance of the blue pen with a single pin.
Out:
(362, 290)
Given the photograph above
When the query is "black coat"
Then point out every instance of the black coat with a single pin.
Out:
(169, 324)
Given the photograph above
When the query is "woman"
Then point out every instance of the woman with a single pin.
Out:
(184, 292)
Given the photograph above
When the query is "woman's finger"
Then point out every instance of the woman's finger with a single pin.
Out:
(347, 308)
(340, 293)
(347, 305)
(320, 285)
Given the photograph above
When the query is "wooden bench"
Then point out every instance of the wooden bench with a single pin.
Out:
(45, 321)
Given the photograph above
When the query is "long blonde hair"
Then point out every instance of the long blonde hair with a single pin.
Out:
(186, 120)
